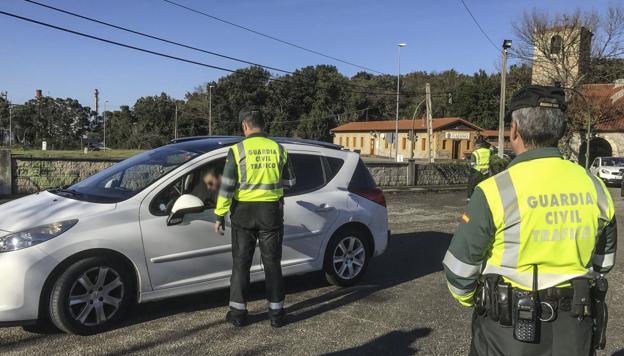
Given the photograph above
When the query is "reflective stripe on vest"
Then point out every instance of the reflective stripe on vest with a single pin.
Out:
(262, 183)
(545, 220)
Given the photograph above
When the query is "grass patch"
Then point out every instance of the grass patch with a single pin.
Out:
(77, 153)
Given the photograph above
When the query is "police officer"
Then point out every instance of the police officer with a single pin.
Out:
(479, 164)
(532, 242)
(254, 176)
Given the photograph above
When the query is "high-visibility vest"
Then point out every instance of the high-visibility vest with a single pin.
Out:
(482, 159)
(547, 212)
(260, 162)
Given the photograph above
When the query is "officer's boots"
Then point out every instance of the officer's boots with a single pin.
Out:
(236, 318)
(278, 318)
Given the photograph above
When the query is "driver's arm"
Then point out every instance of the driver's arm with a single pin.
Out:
(228, 186)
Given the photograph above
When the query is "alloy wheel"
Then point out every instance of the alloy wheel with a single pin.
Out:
(349, 257)
(95, 296)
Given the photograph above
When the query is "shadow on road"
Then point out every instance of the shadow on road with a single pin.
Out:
(408, 257)
(393, 343)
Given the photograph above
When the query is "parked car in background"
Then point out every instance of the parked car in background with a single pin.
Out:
(609, 169)
(137, 232)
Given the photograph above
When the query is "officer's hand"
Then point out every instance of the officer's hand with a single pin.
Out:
(219, 228)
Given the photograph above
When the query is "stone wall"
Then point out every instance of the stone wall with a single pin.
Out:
(397, 174)
(31, 175)
(389, 174)
(451, 173)
(5, 172)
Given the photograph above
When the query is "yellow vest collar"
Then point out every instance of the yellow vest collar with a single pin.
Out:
(543, 152)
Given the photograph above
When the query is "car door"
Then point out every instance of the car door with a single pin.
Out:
(309, 210)
(190, 252)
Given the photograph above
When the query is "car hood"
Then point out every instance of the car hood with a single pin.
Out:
(44, 208)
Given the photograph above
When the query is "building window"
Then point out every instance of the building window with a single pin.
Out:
(424, 143)
(443, 144)
(467, 144)
(340, 140)
(355, 142)
(347, 142)
(404, 143)
(362, 141)
(386, 141)
(556, 45)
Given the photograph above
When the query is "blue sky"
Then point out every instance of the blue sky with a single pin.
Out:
(439, 34)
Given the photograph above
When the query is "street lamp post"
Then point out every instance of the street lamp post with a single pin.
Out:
(210, 110)
(396, 133)
(501, 112)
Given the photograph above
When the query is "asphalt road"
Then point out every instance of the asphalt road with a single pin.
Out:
(401, 307)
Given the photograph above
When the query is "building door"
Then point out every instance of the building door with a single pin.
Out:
(456, 149)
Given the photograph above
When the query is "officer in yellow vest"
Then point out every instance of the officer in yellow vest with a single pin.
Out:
(479, 164)
(252, 189)
(534, 243)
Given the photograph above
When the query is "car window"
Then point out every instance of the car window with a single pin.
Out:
(333, 167)
(191, 183)
(362, 178)
(308, 173)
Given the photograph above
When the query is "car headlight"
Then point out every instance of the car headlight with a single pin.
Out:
(34, 236)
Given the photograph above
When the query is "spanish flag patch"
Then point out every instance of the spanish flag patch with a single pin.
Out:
(466, 218)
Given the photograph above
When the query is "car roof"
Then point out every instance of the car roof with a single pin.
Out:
(210, 143)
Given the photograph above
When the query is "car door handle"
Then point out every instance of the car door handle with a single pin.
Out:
(324, 208)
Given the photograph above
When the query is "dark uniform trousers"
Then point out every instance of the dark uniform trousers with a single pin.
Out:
(564, 336)
(474, 179)
(262, 222)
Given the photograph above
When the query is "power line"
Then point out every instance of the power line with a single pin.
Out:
(154, 37)
(168, 41)
(160, 54)
(271, 37)
(478, 25)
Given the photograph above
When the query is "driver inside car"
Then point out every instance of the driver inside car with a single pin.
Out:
(207, 188)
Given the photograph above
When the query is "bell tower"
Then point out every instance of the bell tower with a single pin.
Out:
(561, 55)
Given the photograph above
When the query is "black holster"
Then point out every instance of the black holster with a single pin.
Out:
(600, 313)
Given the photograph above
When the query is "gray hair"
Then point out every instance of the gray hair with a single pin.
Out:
(540, 127)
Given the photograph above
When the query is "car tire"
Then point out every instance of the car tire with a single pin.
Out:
(91, 296)
(346, 257)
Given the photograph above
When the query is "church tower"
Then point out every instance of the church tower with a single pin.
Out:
(561, 55)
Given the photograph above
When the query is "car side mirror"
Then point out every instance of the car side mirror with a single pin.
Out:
(185, 204)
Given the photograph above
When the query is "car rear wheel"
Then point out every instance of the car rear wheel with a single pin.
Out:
(91, 296)
(346, 257)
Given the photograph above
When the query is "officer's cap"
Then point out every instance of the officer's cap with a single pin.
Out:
(537, 96)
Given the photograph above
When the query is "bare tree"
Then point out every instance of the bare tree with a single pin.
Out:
(561, 48)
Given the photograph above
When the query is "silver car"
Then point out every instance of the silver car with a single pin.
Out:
(141, 231)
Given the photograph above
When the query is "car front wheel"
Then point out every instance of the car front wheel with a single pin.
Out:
(346, 258)
(91, 296)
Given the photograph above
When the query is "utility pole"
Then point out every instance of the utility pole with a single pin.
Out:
(396, 133)
(501, 110)
(429, 121)
(104, 117)
(96, 94)
(210, 110)
(175, 122)
(588, 138)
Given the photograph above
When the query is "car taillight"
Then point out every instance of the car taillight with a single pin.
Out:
(373, 194)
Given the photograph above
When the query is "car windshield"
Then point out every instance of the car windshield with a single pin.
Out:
(127, 178)
(613, 161)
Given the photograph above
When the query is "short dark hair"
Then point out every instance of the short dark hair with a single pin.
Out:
(252, 116)
(213, 170)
